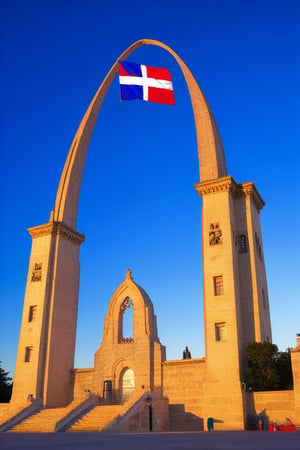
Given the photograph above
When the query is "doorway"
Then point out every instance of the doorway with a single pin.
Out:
(127, 384)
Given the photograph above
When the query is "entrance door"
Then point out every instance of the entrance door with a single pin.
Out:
(127, 384)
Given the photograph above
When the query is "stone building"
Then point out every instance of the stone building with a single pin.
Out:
(131, 386)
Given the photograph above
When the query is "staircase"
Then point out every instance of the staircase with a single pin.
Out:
(98, 418)
(46, 419)
(80, 415)
(7, 411)
(12, 415)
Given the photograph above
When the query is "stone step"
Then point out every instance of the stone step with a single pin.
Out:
(97, 419)
(44, 420)
(7, 412)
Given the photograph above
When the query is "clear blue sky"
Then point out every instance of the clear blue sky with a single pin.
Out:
(138, 207)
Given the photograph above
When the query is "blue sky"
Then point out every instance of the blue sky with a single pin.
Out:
(138, 206)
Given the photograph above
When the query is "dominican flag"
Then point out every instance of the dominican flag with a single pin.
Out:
(146, 83)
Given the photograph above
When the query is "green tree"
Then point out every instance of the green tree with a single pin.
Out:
(5, 386)
(261, 373)
(268, 369)
(284, 367)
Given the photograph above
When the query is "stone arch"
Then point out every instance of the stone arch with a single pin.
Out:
(126, 383)
(118, 367)
(143, 311)
(143, 354)
(211, 156)
(126, 308)
(56, 245)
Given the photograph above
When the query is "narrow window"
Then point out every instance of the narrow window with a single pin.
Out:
(243, 247)
(126, 321)
(258, 245)
(28, 354)
(220, 329)
(218, 285)
(32, 313)
(264, 299)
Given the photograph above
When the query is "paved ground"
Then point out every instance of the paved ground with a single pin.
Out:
(248, 440)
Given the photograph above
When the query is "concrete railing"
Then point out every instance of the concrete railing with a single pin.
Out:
(25, 412)
(133, 407)
(77, 412)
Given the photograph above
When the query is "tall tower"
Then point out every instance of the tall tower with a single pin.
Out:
(48, 331)
(236, 308)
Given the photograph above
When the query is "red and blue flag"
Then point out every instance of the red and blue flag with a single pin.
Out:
(147, 83)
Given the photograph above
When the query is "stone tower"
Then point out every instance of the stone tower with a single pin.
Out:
(46, 348)
(236, 307)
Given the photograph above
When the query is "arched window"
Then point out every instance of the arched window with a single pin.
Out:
(126, 321)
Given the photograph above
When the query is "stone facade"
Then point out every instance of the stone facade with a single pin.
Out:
(183, 385)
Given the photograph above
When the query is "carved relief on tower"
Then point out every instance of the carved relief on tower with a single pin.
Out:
(215, 234)
(36, 272)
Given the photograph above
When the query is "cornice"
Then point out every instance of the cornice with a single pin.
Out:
(191, 361)
(41, 230)
(218, 185)
(69, 234)
(229, 184)
(295, 349)
(56, 228)
(249, 189)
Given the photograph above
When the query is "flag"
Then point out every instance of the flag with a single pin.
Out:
(147, 83)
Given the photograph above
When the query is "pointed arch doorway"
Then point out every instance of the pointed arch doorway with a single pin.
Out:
(127, 384)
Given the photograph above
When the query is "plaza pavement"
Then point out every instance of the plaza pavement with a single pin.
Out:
(230, 440)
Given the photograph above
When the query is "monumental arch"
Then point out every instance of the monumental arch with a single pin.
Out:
(236, 307)
(59, 241)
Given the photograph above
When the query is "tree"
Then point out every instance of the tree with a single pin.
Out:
(268, 369)
(5, 386)
(261, 373)
(284, 367)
